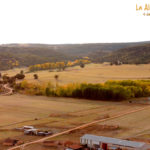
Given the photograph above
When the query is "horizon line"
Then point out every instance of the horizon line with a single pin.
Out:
(74, 43)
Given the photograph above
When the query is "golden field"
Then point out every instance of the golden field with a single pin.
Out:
(92, 73)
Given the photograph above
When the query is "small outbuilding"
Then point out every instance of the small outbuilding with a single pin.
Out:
(107, 143)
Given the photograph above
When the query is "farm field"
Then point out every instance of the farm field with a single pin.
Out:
(92, 73)
(60, 114)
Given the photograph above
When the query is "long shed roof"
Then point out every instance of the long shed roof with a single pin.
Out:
(114, 141)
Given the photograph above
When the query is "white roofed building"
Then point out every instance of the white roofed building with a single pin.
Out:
(107, 143)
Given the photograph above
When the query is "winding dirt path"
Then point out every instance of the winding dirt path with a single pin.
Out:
(77, 128)
(7, 90)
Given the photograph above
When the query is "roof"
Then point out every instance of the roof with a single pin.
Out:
(31, 130)
(28, 127)
(114, 141)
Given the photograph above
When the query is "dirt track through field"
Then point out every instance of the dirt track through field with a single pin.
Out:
(7, 90)
(77, 128)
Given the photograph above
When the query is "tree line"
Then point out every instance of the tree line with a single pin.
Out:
(60, 66)
(110, 90)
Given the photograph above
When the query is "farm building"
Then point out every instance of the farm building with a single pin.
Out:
(107, 143)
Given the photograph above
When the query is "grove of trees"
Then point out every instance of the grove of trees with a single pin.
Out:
(60, 66)
(110, 90)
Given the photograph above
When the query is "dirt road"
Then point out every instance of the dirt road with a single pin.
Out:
(7, 90)
(77, 128)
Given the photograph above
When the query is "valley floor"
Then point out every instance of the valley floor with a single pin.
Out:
(92, 73)
(60, 114)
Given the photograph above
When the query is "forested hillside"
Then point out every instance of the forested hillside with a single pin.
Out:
(26, 56)
(89, 49)
(14, 55)
(130, 55)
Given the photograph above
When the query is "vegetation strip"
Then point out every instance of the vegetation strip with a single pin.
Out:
(79, 127)
(110, 90)
(59, 65)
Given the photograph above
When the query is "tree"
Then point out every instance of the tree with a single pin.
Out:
(63, 66)
(111, 63)
(5, 78)
(12, 80)
(82, 65)
(19, 76)
(56, 78)
(47, 91)
(21, 72)
(35, 76)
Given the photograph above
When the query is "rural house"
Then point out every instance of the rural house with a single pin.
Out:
(107, 143)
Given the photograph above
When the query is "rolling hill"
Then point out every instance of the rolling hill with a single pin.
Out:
(30, 54)
(70, 49)
(130, 55)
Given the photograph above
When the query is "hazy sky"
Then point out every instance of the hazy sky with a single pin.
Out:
(72, 21)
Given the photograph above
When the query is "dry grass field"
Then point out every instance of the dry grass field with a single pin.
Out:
(60, 114)
(92, 73)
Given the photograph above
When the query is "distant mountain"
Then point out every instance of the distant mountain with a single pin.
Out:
(132, 55)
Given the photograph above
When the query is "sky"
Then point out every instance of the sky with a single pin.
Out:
(72, 21)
